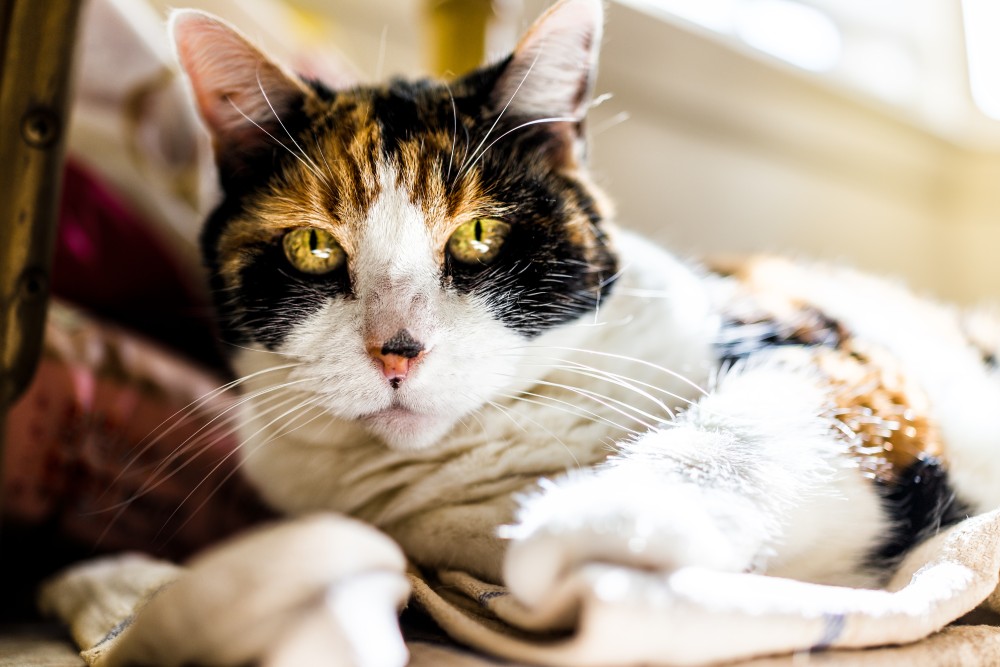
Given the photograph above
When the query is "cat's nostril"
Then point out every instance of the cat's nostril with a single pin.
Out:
(403, 344)
(396, 356)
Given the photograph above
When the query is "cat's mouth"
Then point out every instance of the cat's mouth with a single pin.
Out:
(403, 428)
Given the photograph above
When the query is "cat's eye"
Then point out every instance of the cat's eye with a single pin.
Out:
(478, 241)
(312, 250)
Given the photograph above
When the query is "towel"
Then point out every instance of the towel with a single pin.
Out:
(326, 589)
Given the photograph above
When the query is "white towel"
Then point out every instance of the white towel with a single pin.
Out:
(325, 590)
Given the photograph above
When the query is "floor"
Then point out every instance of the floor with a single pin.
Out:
(957, 646)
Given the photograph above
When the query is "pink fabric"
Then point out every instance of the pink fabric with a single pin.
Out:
(111, 262)
(97, 427)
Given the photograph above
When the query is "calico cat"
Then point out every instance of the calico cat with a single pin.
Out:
(442, 332)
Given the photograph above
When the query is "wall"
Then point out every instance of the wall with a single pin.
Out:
(726, 151)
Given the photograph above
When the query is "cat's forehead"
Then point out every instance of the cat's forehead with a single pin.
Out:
(365, 163)
(367, 145)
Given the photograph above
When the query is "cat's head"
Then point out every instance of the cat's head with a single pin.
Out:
(406, 241)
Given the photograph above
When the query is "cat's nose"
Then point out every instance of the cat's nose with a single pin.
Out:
(397, 355)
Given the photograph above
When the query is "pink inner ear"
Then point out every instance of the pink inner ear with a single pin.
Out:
(236, 87)
(555, 62)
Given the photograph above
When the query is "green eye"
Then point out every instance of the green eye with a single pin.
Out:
(312, 250)
(478, 241)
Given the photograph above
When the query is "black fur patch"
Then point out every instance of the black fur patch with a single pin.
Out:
(738, 339)
(275, 297)
(920, 502)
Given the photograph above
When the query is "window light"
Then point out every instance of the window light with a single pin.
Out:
(982, 25)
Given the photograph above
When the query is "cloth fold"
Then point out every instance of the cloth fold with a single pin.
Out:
(326, 588)
(280, 595)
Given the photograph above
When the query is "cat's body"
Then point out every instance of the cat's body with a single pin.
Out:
(577, 387)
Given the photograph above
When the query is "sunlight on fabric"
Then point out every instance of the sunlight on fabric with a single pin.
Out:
(982, 25)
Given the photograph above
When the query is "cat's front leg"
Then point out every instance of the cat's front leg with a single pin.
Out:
(751, 478)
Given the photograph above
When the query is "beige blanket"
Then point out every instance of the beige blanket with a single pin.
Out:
(326, 590)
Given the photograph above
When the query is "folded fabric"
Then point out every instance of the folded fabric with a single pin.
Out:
(317, 590)
(119, 443)
(270, 593)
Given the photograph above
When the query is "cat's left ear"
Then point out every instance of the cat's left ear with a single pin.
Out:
(551, 73)
(246, 99)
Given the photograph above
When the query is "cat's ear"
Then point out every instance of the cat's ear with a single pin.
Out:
(551, 73)
(242, 95)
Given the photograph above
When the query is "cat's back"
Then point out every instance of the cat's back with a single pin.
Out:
(883, 348)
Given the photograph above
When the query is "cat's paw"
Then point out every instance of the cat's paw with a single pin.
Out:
(623, 518)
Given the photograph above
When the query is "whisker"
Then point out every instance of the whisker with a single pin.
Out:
(322, 155)
(611, 376)
(153, 483)
(184, 414)
(275, 140)
(270, 106)
(527, 73)
(454, 132)
(243, 400)
(620, 381)
(181, 450)
(615, 120)
(499, 407)
(614, 355)
(570, 410)
(229, 475)
(606, 402)
(554, 119)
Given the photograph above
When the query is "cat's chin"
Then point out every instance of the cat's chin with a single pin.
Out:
(405, 430)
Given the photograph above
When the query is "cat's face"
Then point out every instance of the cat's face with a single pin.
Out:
(405, 241)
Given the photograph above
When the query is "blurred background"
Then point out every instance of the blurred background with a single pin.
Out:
(857, 130)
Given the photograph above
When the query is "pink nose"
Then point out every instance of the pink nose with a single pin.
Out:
(397, 356)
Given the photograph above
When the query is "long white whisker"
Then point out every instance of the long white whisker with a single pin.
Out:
(615, 120)
(454, 132)
(300, 408)
(270, 106)
(623, 357)
(620, 381)
(615, 378)
(149, 486)
(571, 409)
(322, 155)
(499, 407)
(554, 119)
(606, 401)
(185, 449)
(275, 140)
(527, 73)
(182, 415)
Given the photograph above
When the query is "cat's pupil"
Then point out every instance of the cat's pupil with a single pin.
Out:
(479, 231)
(313, 240)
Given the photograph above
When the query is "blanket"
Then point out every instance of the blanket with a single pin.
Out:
(326, 590)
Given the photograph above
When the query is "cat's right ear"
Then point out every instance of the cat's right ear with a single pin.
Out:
(244, 97)
(552, 70)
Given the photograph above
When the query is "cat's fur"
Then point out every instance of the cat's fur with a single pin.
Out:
(586, 396)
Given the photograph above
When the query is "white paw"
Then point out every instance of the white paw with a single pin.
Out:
(623, 519)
